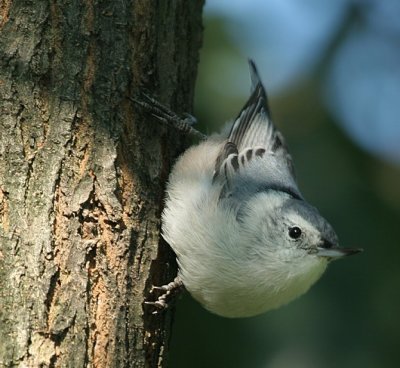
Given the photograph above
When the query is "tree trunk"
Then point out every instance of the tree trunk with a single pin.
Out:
(82, 172)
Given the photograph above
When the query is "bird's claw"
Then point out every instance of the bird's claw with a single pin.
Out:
(182, 123)
(169, 291)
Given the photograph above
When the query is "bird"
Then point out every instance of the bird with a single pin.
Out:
(245, 238)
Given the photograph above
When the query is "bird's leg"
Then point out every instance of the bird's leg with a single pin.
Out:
(182, 123)
(169, 291)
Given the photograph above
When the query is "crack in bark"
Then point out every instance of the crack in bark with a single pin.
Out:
(4, 212)
(51, 291)
(27, 182)
(56, 201)
(139, 256)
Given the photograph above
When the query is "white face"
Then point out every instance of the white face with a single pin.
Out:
(297, 232)
(280, 222)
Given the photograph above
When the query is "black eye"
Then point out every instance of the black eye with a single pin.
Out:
(294, 232)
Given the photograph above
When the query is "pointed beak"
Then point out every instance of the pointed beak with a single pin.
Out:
(336, 252)
(329, 250)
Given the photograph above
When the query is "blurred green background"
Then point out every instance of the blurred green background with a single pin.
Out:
(351, 317)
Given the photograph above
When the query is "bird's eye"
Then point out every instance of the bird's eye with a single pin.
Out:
(294, 232)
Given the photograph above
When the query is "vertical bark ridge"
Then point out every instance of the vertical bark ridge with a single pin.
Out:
(82, 174)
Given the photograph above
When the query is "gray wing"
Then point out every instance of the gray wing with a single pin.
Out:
(255, 157)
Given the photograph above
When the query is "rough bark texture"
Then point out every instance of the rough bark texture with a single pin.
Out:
(82, 172)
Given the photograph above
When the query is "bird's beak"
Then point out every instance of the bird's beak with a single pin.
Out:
(336, 252)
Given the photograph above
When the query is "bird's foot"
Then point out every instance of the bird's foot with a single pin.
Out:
(169, 291)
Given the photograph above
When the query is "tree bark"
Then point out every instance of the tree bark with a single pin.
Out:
(82, 172)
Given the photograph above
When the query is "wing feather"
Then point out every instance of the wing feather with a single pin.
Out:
(255, 156)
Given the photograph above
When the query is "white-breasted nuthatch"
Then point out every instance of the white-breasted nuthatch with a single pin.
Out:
(246, 241)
